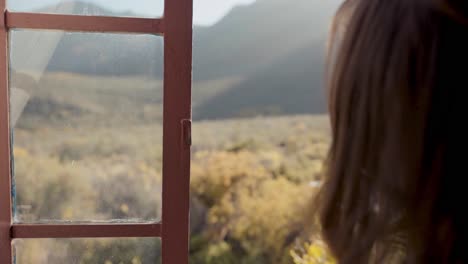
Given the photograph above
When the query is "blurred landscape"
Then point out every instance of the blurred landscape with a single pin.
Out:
(88, 145)
(266, 58)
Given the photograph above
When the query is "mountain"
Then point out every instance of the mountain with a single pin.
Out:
(278, 46)
(274, 47)
(77, 7)
(255, 36)
(102, 54)
(292, 84)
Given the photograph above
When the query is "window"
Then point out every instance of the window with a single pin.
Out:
(25, 41)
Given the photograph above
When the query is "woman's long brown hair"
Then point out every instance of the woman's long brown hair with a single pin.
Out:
(395, 176)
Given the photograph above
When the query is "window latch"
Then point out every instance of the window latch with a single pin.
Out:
(187, 132)
(3, 19)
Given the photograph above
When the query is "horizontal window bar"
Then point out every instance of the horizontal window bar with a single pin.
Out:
(84, 23)
(85, 231)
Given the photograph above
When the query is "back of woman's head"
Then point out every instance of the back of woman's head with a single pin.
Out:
(395, 176)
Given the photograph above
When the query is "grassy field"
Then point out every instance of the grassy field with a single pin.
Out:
(90, 149)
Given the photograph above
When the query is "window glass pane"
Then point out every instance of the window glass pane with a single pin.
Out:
(88, 251)
(86, 115)
(121, 8)
(261, 133)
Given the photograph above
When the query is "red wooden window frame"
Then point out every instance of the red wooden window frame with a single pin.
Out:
(176, 28)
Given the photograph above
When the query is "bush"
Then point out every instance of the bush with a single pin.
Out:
(312, 253)
(256, 212)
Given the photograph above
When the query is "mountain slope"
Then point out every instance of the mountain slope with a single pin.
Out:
(252, 37)
(109, 54)
(103, 54)
(274, 47)
(292, 85)
(281, 58)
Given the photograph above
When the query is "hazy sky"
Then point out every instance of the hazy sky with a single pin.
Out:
(206, 12)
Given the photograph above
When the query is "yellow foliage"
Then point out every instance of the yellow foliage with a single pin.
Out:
(124, 208)
(251, 179)
(261, 214)
(313, 253)
(213, 173)
(19, 152)
(136, 260)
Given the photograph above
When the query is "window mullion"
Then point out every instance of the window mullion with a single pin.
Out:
(177, 115)
(86, 230)
(5, 177)
(84, 23)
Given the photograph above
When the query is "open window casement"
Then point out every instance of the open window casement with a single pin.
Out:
(31, 39)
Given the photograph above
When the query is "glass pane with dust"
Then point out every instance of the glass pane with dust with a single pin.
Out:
(86, 118)
(87, 251)
(116, 8)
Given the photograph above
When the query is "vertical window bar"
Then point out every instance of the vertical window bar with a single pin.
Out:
(5, 172)
(177, 111)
